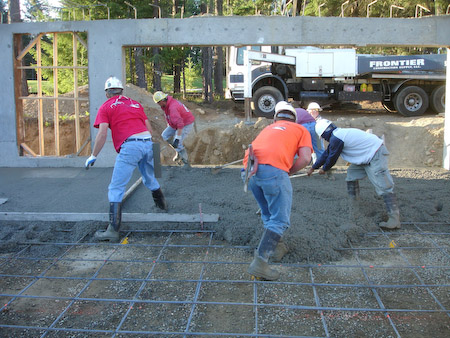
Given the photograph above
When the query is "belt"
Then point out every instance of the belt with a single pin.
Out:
(138, 139)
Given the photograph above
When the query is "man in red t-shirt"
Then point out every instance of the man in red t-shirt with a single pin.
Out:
(274, 150)
(132, 139)
(180, 122)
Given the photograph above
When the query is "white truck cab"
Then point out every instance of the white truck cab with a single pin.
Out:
(236, 70)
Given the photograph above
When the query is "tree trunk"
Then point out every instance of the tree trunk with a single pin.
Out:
(176, 67)
(207, 74)
(218, 72)
(140, 67)
(177, 79)
(218, 66)
(207, 64)
(14, 16)
(14, 11)
(155, 53)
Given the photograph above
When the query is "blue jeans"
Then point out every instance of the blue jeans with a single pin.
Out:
(377, 171)
(132, 154)
(273, 192)
(169, 132)
(317, 142)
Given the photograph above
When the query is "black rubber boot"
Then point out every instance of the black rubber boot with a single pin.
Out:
(115, 220)
(353, 189)
(353, 193)
(259, 267)
(159, 199)
(393, 211)
(184, 158)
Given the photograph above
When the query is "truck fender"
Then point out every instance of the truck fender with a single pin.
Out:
(399, 85)
(263, 80)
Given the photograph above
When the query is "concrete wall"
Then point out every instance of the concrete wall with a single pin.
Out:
(106, 39)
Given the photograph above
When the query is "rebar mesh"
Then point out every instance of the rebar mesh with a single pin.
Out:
(182, 283)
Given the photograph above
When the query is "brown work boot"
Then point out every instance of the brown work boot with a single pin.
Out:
(392, 223)
(107, 235)
(280, 250)
(260, 268)
(393, 211)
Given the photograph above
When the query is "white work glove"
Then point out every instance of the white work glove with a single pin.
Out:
(90, 161)
(243, 175)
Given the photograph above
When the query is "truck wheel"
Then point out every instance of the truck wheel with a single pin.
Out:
(265, 99)
(411, 101)
(437, 99)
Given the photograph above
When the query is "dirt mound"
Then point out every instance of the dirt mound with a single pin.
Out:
(221, 134)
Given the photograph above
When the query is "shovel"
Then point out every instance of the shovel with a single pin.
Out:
(215, 170)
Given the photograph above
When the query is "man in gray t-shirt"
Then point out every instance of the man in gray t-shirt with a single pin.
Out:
(368, 157)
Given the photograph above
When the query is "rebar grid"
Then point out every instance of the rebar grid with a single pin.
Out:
(180, 283)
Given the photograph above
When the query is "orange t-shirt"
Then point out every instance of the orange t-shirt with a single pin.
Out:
(278, 143)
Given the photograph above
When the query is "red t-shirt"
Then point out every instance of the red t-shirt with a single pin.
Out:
(124, 116)
(278, 143)
(177, 115)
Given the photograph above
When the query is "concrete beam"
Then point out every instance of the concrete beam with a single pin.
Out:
(430, 31)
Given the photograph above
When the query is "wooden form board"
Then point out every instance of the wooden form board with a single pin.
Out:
(126, 217)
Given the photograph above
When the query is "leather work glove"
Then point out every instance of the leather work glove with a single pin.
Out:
(90, 161)
(176, 141)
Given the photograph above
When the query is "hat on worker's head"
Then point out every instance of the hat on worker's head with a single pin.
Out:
(322, 125)
(113, 83)
(314, 106)
(159, 96)
(285, 110)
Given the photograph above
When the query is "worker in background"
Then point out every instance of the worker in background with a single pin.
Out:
(274, 149)
(314, 110)
(180, 122)
(132, 139)
(367, 156)
(309, 122)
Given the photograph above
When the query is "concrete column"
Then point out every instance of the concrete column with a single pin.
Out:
(446, 158)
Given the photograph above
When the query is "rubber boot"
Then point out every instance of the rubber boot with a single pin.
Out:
(184, 157)
(353, 190)
(393, 212)
(280, 250)
(159, 199)
(259, 267)
(330, 175)
(353, 193)
(115, 220)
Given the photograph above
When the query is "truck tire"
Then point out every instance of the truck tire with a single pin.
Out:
(437, 99)
(265, 99)
(411, 101)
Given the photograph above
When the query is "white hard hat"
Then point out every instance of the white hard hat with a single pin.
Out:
(283, 106)
(321, 126)
(113, 82)
(314, 105)
(158, 96)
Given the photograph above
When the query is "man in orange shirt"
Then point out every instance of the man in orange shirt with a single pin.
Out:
(275, 149)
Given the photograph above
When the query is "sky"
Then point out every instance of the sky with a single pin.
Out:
(54, 3)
